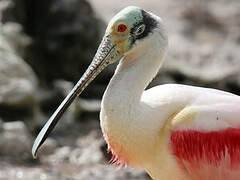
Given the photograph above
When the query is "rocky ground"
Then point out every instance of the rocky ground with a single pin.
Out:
(46, 45)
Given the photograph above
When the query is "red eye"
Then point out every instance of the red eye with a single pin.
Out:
(122, 27)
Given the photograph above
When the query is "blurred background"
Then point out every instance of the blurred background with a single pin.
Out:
(45, 46)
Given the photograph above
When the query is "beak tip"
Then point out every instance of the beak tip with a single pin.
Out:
(34, 151)
(34, 154)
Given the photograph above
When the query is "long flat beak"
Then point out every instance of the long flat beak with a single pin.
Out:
(106, 54)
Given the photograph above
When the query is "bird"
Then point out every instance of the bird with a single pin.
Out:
(172, 131)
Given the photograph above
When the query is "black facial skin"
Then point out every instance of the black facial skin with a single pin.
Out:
(150, 24)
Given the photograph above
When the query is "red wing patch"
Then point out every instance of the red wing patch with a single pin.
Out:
(208, 154)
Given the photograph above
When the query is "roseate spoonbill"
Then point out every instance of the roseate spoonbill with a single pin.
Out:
(172, 131)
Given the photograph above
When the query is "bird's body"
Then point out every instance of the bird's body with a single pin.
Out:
(182, 133)
(138, 124)
(174, 132)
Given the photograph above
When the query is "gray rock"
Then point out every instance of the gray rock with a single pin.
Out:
(87, 105)
(61, 155)
(108, 173)
(13, 11)
(27, 173)
(15, 140)
(65, 33)
(3, 5)
(13, 38)
(203, 63)
(48, 99)
(206, 51)
(88, 151)
(18, 82)
(49, 147)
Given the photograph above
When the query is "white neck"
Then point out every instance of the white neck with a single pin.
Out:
(122, 110)
(134, 72)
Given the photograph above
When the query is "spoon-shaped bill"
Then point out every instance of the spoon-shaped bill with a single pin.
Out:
(105, 55)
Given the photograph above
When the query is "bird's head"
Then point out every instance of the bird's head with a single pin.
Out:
(126, 32)
(129, 29)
